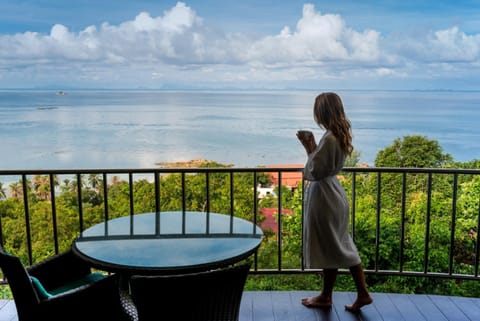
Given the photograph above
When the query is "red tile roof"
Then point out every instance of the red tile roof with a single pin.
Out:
(270, 222)
(289, 179)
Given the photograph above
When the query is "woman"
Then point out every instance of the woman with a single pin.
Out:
(327, 243)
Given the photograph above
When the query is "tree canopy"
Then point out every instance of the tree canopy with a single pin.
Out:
(413, 151)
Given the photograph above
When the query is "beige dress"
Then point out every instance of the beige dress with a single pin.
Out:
(327, 242)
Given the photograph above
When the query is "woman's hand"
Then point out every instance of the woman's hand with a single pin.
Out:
(308, 140)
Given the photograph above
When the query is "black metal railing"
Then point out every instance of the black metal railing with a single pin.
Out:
(386, 194)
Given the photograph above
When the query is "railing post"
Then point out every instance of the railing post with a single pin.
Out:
(80, 202)
(105, 201)
(303, 222)
(402, 218)
(157, 191)
(184, 203)
(352, 219)
(427, 224)
(54, 211)
(279, 226)
(255, 200)
(207, 186)
(255, 215)
(232, 201)
(131, 196)
(477, 244)
(378, 225)
(157, 202)
(453, 225)
(27, 217)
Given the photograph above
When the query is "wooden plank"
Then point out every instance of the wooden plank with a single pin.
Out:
(246, 306)
(326, 314)
(298, 311)
(406, 307)
(340, 299)
(387, 309)
(283, 307)
(369, 312)
(476, 301)
(427, 308)
(262, 306)
(468, 307)
(301, 312)
(449, 309)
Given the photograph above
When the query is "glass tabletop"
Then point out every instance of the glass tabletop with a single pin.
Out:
(168, 242)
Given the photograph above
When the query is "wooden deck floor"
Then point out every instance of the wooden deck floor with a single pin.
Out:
(286, 306)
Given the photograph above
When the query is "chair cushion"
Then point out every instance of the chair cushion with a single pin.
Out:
(44, 294)
(41, 291)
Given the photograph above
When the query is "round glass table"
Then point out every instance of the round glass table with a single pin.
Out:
(168, 242)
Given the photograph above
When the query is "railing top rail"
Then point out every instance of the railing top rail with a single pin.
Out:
(412, 170)
(271, 169)
(148, 170)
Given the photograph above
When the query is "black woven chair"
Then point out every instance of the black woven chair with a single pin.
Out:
(206, 296)
(62, 288)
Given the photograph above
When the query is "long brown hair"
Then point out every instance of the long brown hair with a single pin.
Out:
(328, 113)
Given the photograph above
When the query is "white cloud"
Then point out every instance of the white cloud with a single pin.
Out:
(385, 72)
(317, 39)
(453, 44)
(180, 37)
(179, 47)
(447, 45)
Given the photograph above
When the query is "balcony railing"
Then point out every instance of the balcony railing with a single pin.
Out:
(438, 210)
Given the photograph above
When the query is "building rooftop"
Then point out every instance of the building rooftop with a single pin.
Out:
(289, 179)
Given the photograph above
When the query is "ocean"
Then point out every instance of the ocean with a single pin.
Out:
(138, 129)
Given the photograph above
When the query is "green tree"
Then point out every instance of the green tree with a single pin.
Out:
(41, 186)
(413, 151)
(95, 182)
(16, 189)
(353, 159)
(3, 194)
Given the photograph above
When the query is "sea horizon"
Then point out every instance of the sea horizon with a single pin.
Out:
(233, 89)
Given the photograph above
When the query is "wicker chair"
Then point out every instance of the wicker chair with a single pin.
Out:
(206, 296)
(62, 288)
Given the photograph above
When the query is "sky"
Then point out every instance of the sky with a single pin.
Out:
(248, 44)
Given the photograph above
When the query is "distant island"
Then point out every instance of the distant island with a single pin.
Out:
(194, 163)
(47, 107)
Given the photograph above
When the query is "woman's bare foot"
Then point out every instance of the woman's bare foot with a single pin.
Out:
(359, 303)
(317, 302)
